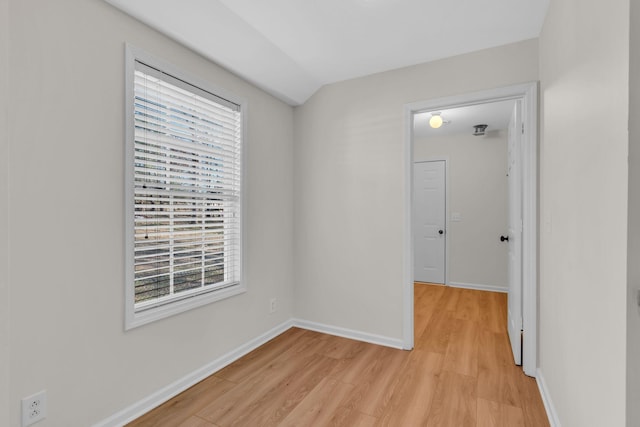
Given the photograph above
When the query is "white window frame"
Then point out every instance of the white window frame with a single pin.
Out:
(139, 316)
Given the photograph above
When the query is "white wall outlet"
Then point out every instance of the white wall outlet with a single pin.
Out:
(34, 408)
(273, 305)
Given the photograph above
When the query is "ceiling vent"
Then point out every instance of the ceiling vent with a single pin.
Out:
(479, 130)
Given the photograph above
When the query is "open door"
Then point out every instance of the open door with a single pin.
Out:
(514, 185)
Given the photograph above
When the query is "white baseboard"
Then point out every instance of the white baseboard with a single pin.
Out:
(477, 287)
(159, 397)
(554, 421)
(349, 333)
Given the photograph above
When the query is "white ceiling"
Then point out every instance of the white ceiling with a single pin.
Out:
(495, 115)
(290, 48)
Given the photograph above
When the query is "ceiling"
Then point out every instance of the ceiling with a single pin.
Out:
(495, 115)
(291, 48)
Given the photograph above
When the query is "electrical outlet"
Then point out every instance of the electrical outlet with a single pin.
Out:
(273, 306)
(34, 408)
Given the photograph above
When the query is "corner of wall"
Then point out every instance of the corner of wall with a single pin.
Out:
(633, 236)
(4, 221)
(83, 329)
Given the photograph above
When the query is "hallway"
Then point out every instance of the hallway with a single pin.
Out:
(467, 328)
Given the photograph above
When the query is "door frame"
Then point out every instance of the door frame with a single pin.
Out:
(444, 159)
(528, 93)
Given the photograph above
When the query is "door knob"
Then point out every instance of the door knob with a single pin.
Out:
(503, 238)
(440, 231)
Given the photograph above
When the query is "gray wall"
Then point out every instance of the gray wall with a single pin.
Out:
(633, 255)
(348, 193)
(478, 191)
(4, 220)
(66, 129)
(584, 73)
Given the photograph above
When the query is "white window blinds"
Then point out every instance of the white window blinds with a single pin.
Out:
(187, 177)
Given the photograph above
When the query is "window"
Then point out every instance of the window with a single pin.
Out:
(183, 186)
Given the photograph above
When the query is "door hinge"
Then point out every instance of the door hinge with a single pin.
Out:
(523, 128)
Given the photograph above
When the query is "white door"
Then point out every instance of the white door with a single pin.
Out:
(429, 197)
(514, 184)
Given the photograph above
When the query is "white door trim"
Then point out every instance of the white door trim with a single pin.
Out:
(444, 159)
(514, 227)
(528, 93)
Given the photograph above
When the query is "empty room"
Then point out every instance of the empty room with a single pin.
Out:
(210, 216)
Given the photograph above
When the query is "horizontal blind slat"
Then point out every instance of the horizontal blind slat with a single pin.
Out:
(166, 114)
(154, 152)
(163, 119)
(150, 72)
(161, 143)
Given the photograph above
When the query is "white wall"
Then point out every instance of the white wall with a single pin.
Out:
(633, 255)
(66, 218)
(4, 224)
(478, 191)
(348, 192)
(584, 72)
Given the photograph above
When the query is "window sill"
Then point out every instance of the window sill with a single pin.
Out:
(134, 320)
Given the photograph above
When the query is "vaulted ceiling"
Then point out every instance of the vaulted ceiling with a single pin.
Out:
(291, 48)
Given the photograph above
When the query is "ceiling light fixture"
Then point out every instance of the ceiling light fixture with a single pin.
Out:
(436, 120)
(479, 130)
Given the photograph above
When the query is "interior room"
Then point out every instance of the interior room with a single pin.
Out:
(325, 93)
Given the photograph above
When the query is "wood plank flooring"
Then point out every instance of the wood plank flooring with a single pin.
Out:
(460, 374)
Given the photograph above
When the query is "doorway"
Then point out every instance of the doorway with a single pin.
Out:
(527, 95)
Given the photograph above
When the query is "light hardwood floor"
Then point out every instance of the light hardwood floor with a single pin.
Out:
(460, 374)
